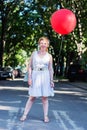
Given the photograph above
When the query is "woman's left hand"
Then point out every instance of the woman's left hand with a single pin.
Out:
(52, 84)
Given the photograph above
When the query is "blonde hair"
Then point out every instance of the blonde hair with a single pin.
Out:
(44, 38)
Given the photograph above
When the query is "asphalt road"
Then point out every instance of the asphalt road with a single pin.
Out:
(67, 109)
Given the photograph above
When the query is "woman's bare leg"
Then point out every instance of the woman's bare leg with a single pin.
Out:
(45, 108)
(27, 108)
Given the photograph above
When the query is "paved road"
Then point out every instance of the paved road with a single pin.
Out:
(67, 109)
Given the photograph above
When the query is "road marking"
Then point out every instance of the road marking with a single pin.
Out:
(62, 117)
(58, 118)
(11, 122)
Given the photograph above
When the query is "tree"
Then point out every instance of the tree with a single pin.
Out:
(26, 21)
(6, 9)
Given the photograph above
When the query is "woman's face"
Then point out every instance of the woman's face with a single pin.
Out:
(43, 44)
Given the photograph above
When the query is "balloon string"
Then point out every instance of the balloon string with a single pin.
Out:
(60, 49)
(62, 38)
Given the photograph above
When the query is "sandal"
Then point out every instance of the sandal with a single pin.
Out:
(46, 119)
(23, 118)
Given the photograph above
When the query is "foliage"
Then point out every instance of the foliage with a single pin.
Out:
(23, 22)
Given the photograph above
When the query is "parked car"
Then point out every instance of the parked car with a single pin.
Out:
(75, 73)
(6, 72)
(17, 73)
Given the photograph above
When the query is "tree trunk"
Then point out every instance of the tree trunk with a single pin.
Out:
(1, 53)
(2, 39)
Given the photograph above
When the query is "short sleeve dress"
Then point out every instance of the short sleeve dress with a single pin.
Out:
(40, 77)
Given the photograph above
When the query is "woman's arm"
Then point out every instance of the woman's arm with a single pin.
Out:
(51, 71)
(30, 70)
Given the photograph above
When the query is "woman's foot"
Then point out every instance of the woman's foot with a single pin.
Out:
(23, 118)
(46, 119)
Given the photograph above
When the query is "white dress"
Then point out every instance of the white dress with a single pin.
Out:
(40, 78)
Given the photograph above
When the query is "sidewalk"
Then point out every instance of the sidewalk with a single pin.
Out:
(82, 85)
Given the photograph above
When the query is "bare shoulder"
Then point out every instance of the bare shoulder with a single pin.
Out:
(33, 53)
(50, 55)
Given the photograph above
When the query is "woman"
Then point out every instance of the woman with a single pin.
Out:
(40, 78)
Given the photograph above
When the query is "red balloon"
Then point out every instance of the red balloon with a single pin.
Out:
(63, 21)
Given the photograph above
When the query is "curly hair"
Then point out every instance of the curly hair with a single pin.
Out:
(44, 38)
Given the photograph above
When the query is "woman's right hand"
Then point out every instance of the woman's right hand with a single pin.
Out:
(29, 82)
